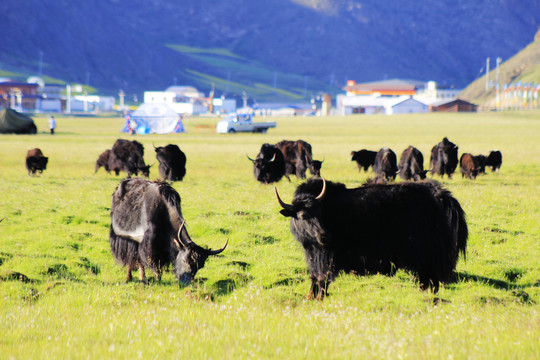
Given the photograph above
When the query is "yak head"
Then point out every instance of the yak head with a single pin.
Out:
(269, 166)
(43, 163)
(306, 211)
(191, 257)
(315, 167)
(145, 170)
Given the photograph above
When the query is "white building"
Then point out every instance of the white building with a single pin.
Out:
(373, 104)
(182, 99)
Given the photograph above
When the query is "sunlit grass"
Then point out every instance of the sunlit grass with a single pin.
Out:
(63, 296)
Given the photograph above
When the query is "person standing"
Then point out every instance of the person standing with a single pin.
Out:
(52, 124)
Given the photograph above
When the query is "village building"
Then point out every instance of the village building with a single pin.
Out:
(395, 96)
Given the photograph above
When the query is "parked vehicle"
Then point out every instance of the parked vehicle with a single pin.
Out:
(242, 123)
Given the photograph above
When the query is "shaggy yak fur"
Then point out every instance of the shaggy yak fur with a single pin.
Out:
(269, 165)
(298, 158)
(416, 226)
(172, 162)
(364, 158)
(444, 158)
(103, 161)
(411, 165)
(494, 160)
(468, 165)
(147, 230)
(385, 165)
(35, 161)
(128, 156)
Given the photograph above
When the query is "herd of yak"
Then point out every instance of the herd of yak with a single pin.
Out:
(376, 228)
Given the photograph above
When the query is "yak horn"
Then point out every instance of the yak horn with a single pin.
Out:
(250, 159)
(215, 252)
(179, 240)
(273, 158)
(320, 196)
(283, 205)
(2, 219)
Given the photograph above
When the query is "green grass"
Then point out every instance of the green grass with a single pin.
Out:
(63, 296)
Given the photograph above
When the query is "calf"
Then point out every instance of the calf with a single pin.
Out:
(364, 158)
(468, 166)
(103, 161)
(494, 160)
(35, 161)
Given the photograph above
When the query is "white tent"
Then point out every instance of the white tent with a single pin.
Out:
(156, 119)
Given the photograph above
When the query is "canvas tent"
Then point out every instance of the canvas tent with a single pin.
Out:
(13, 122)
(156, 119)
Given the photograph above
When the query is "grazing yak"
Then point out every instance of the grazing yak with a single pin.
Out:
(364, 158)
(468, 165)
(147, 230)
(416, 226)
(298, 158)
(481, 160)
(128, 156)
(172, 162)
(269, 165)
(494, 160)
(444, 158)
(385, 165)
(35, 161)
(411, 165)
(103, 161)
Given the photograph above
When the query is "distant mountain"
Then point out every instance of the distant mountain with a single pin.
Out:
(523, 67)
(271, 50)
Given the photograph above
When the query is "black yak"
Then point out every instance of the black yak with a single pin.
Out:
(172, 162)
(298, 158)
(411, 164)
(269, 165)
(35, 161)
(103, 161)
(128, 156)
(364, 158)
(481, 160)
(147, 230)
(385, 164)
(468, 165)
(444, 158)
(494, 160)
(416, 226)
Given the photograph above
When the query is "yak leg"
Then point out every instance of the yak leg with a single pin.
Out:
(129, 276)
(141, 273)
(323, 288)
(314, 288)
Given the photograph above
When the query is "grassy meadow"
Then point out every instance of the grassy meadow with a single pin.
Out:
(63, 296)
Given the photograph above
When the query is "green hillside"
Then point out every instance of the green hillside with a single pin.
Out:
(233, 74)
(523, 67)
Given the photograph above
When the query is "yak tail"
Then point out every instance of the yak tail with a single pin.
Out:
(458, 224)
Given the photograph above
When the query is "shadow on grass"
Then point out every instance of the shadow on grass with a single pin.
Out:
(516, 290)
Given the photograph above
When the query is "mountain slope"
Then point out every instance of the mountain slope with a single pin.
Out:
(523, 67)
(280, 48)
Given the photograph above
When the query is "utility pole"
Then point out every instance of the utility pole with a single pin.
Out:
(498, 98)
(487, 73)
(68, 98)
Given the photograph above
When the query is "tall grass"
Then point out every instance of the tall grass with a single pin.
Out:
(63, 296)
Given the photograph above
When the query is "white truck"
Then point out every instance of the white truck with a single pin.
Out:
(233, 123)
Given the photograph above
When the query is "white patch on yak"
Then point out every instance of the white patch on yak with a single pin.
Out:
(136, 234)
